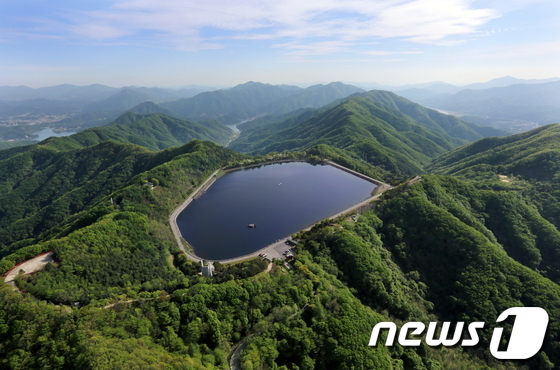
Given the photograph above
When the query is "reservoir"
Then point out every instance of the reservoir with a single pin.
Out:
(49, 132)
(280, 199)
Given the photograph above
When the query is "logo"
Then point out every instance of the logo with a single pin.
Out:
(525, 340)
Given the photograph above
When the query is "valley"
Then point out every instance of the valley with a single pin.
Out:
(447, 239)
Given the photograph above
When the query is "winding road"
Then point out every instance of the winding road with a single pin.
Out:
(31, 265)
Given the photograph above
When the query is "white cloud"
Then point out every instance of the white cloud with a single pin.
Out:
(182, 23)
(315, 48)
(100, 31)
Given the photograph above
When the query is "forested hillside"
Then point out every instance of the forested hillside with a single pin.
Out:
(154, 131)
(457, 246)
(533, 155)
(173, 317)
(385, 130)
(253, 99)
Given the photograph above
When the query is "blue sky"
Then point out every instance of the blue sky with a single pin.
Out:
(226, 42)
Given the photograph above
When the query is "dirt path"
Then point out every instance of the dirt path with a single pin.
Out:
(29, 266)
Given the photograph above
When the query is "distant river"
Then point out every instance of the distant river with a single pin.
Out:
(48, 132)
(280, 199)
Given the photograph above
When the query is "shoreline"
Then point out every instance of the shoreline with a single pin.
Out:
(271, 248)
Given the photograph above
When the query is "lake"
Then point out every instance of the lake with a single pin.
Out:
(280, 198)
(48, 132)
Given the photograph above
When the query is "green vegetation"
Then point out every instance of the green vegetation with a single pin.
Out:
(154, 131)
(122, 295)
(11, 144)
(231, 105)
(533, 155)
(433, 228)
(253, 99)
(42, 188)
(393, 134)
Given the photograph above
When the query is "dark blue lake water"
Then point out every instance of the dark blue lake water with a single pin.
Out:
(280, 199)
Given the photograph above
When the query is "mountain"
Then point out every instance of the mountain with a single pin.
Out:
(72, 108)
(508, 103)
(151, 107)
(380, 127)
(363, 128)
(466, 245)
(12, 144)
(448, 247)
(157, 94)
(153, 131)
(532, 104)
(527, 163)
(45, 183)
(312, 97)
(533, 154)
(121, 246)
(93, 92)
(253, 99)
(506, 81)
(442, 122)
(59, 92)
(231, 105)
(426, 252)
(44, 186)
(121, 101)
(38, 106)
(420, 95)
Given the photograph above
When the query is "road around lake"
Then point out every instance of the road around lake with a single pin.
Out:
(173, 218)
(274, 250)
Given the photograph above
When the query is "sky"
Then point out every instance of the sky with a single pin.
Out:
(172, 43)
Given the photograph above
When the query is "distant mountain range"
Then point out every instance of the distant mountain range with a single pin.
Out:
(91, 93)
(496, 103)
(538, 103)
(470, 228)
(440, 87)
(75, 108)
(517, 105)
(253, 99)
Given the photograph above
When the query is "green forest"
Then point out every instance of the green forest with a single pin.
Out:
(477, 233)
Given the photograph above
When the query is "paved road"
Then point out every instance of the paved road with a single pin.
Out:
(234, 363)
(173, 218)
(31, 265)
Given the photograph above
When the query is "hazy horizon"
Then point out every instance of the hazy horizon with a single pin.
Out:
(298, 84)
(219, 43)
